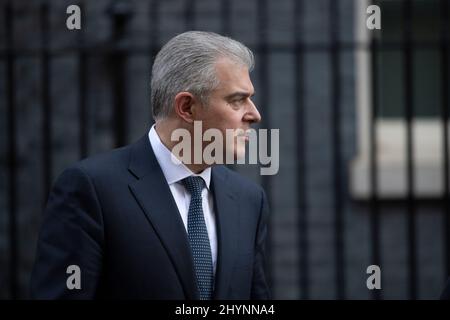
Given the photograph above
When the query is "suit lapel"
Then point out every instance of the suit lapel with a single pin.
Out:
(227, 214)
(154, 196)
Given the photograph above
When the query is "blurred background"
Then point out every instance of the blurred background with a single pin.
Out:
(363, 119)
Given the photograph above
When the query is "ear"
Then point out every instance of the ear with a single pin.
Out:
(184, 102)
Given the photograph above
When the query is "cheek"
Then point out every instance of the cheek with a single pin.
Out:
(232, 116)
(223, 117)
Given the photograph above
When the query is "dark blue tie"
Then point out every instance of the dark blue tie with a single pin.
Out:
(198, 238)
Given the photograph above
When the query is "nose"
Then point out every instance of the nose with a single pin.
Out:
(252, 115)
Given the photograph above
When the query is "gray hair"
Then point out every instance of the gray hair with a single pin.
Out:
(187, 63)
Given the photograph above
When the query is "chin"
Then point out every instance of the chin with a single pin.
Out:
(239, 152)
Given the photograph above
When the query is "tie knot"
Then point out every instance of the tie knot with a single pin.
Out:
(194, 185)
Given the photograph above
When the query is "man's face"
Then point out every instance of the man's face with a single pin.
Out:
(230, 105)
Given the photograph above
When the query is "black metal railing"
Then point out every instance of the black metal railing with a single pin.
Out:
(118, 54)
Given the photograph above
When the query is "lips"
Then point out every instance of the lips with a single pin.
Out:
(244, 135)
(243, 132)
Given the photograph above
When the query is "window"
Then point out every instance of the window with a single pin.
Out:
(390, 123)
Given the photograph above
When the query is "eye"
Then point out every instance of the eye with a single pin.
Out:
(237, 103)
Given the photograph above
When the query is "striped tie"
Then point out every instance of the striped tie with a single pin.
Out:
(198, 238)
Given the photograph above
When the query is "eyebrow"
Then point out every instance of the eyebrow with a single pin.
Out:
(239, 95)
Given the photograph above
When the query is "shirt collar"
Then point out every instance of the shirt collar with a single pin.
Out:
(173, 169)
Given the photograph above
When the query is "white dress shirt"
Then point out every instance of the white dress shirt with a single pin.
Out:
(175, 172)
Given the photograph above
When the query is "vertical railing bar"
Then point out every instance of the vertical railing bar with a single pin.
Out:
(82, 93)
(154, 26)
(263, 63)
(46, 100)
(12, 153)
(189, 14)
(336, 145)
(154, 38)
(373, 164)
(409, 109)
(121, 12)
(300, 110)
(445, 43)
(225, 10)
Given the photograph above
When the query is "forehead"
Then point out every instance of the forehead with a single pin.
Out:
(233, 76)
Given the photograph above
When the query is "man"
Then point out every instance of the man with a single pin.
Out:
(134, 223)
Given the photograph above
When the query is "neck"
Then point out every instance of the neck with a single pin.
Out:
(164, 129)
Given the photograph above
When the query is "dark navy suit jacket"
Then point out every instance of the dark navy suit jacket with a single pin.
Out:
(113, 215)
